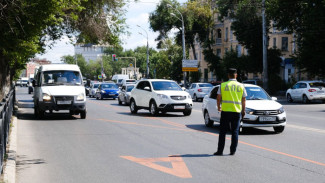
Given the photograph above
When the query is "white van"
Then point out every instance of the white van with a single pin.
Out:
(128, 82)
(59, 87)
(118, 78)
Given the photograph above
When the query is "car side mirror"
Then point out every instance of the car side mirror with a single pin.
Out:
(147, 88)
(34, 83)
(274, 98)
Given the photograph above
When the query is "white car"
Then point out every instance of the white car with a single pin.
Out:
(160, 95)
(93, 89)
(261, 109)
(306, 91)
(199, 90)
(125, 93)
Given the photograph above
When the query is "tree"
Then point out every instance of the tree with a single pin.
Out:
(26, 26)
(306, 20)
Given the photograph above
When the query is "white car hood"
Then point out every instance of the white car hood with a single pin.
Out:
(63, 90)
(263, 104)
(172, 92)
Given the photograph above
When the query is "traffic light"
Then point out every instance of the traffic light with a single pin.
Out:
(114, 57)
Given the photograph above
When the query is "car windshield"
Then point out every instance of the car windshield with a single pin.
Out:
(129, 88)
(205, 85)
(50, 78)
(96, 85)
(109, 86)
(316, 85)
(256, 93)
(165, 85)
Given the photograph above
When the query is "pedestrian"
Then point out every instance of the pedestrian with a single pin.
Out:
(232, 97)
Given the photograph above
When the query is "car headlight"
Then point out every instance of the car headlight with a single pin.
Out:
(249, 111)
(189, 96)
(46, 97)
(162, 96)
(281, 110)
(103, 91)
(80, 97)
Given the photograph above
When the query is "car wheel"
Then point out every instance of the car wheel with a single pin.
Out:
(133, 107)
(208, 122)
(278, 129)
(83, 114)
(195, 98)
(119, 101)
(289, 98)
(305, 99)
(153, 108)
(187, 113)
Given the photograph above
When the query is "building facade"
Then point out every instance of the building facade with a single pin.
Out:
(90, 51)
(225, 40)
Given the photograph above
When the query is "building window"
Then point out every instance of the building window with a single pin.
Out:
(226, 36)
(219, 53)
(274, 42)
(238, 48)
(231, 35)
(219, 33)
(289, 71)
(284, 46)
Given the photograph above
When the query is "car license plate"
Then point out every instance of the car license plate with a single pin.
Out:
(267, 118)
(179, 107)
(64, 102)
(111, 94)
(321, 92)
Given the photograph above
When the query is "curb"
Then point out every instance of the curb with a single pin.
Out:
(9, 174)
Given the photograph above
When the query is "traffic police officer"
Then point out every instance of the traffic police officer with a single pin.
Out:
(232, 97)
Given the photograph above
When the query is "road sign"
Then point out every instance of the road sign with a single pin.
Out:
(190, 65)
(100, 77)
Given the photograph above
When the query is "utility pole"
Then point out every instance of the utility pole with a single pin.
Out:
(265, 73)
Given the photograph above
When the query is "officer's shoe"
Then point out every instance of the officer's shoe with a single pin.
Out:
(232, 153)
(218, 153)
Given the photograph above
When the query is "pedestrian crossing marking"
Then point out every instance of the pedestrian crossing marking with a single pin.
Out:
(178, 169)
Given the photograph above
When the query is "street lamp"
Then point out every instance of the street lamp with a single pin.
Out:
(183, 37)
(147, 73)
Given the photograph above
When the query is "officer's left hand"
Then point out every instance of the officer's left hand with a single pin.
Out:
(242, 114)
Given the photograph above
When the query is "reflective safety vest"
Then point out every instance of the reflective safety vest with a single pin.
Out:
(231, 93)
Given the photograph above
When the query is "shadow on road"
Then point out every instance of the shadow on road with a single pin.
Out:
(192, 155)
(147, 114)
(48, 117)
(246, 132)
(23, 162)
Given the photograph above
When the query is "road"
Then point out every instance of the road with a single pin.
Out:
(112, 145)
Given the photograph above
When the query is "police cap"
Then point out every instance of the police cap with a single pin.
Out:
(232, 71)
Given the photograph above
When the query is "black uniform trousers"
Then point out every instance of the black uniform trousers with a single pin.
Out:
(231, 119)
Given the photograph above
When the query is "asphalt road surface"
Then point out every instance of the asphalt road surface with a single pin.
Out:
(112, 145)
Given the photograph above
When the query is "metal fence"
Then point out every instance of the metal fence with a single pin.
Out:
(6, 110)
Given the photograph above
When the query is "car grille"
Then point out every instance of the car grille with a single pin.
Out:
(266, 113)
(64, 98)
(178, 97)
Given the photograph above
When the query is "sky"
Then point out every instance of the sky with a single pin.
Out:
(137, 14)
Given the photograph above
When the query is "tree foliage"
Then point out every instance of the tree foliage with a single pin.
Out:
(306, 19)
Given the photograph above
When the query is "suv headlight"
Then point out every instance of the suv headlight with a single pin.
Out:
(162, 96)
(80, 97)
(281, 110)
(249, 111)
(46, 97)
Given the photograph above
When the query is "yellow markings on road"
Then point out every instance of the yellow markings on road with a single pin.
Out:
(306, 128)
(178, 169)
